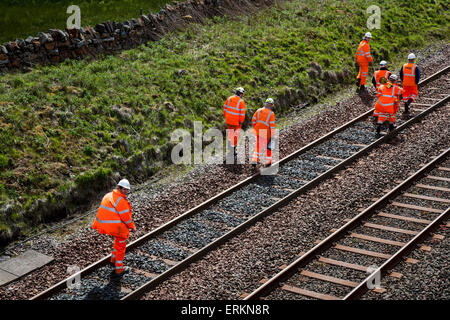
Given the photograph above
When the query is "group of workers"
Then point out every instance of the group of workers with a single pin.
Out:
(263, 123)
(114, 216)
(389, 92)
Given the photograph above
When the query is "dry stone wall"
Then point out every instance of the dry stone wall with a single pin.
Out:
(55, 46)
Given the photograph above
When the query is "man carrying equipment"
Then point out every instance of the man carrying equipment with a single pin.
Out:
(380, 76)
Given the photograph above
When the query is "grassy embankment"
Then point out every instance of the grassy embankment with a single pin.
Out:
(65, 130)
(23, 18)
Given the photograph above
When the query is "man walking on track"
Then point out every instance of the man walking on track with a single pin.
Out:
(114, 219)
(363, 58)
(410, 76)
(234, 113)
(263, 123)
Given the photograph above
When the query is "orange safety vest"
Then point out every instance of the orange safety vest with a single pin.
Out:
(114, 215)
(234, 111)
(409, 74)
(362, 55)
(388, 98)
(263, 123)
(381, 74)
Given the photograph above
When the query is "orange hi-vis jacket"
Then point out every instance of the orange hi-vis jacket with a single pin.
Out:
(114, 215)
(362, 55)
(263, 123)
(381, 74)
(409, 75)
(234, 111)
(388, 98)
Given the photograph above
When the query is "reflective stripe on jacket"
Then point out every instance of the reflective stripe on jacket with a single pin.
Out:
(263, 122)
(363, 55)
(409, 74)
(114, 215)
(234, 110)
(388, 98)
(382, 73)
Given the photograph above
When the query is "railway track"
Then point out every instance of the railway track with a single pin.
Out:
(393, 225)
(170, 248)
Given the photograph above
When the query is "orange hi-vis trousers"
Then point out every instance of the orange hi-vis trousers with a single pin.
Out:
(261, 146)
(233, 133)
(118, 253)
(363, 72)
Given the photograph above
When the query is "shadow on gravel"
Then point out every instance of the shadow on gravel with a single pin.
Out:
(111, 291)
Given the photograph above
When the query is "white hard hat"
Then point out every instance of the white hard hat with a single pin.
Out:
(368, 35)
(124, 183)
(393, 77)
(269, 101)
(240, 90)
(411, 56)
(383, 63)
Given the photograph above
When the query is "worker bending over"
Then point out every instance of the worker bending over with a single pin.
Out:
(114, 219)
(234, 113)
(263, 123)
(381, 76)
(386, 107)
(363, 58)
(410, 76)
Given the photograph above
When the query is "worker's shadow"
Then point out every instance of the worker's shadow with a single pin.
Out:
(367, 98)
(236, 168)
(111, 291)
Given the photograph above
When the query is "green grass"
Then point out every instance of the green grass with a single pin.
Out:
(78, 122)
(23, 18)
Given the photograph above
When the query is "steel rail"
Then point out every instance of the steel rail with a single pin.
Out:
(216, 243)
(325, 244)
(382, 270)
(136, 243)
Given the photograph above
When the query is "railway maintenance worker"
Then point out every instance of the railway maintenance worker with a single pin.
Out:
(363, 59)
(410, 76)
(379, 78)
(234, 113)
(114, 219)
(263, 123)
(389, 96)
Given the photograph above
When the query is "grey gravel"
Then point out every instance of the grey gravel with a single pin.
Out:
(164, 250)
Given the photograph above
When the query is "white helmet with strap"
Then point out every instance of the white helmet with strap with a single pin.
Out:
(383, 63)
(269, 101)
(411, 56)
(368, 35)
(124, 183)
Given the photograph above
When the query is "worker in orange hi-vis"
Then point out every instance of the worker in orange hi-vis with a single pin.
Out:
(387, 104)
(379, 78)
(263, 123)
(234, 113)
(410, 76)
(114, 219)
(363, 59)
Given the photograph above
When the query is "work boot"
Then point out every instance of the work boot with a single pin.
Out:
(123, 272)
(378, 134)
(407, 103)
(391, 127)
